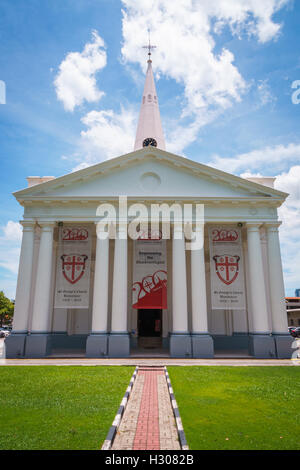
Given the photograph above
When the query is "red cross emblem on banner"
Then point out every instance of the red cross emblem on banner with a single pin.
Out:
(73, 267)
(227, 268)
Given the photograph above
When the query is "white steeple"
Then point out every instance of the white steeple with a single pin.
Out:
(149, 130)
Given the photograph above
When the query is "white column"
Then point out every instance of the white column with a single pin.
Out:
(20, 322)
(179, 287)
(277, 293)
(42, 295)
(198, 285)
(257, 282)
(100, 297)
(119, 295)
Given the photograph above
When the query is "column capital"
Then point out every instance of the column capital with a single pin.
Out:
(28, 225)
(253, 226)
(273, 226)
(47, 226)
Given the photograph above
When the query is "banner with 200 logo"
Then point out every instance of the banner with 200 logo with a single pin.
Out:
(73, 267)
(226, 268)
(149, 289)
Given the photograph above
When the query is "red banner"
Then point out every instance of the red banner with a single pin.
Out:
(149, 289)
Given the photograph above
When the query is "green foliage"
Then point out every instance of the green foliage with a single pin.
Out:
(59, 408)
(6, 310)
(239, 408)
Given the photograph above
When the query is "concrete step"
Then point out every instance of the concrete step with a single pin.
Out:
(150, 342)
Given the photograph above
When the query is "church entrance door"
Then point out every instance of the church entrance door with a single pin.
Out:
(150, 323)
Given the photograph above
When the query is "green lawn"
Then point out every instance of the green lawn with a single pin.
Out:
(239, 408)
(59, 407)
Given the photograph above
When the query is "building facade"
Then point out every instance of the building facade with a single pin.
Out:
(78, 290)
(293, 310)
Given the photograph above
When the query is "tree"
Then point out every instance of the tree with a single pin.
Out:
(6, 310)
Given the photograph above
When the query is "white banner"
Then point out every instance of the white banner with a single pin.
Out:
(149, 288)
(226, 268)
(73, 267)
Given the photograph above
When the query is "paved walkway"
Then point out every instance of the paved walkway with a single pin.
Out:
(148, 422)
(145, 362)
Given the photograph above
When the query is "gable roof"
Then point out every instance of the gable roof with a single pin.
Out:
(149, 154)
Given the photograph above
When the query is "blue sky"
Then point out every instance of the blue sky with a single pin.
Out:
(224, 73)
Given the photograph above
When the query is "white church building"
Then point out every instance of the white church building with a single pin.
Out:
(117, 296)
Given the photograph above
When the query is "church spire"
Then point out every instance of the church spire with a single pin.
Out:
(149, 130)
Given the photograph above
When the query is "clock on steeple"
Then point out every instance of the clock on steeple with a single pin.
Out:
(149, 141)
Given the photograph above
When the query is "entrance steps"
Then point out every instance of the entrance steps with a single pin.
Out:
(150, 342)
(150, 347)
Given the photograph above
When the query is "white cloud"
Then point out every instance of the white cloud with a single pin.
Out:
(180, 135)
(277, 158)
(76, 81)
(289, 213)
(108, 135)
(13, 231)
(253, 17)
(185, 33)
(8, 286)
(10, 243)
(264, 92)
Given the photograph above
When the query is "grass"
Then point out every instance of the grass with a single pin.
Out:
(239, 408)
(45, 407)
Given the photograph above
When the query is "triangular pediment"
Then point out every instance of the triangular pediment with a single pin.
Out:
(149, 173)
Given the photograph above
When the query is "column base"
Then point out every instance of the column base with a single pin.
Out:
(118, 345)
(262, 346)
(96, 345)
(180, 345)
(283, 345)
(202, 346)
(15, 345)
(38, 345)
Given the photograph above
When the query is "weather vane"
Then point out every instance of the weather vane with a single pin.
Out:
(149, 47)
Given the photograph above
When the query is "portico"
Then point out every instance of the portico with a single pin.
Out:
(109, 327)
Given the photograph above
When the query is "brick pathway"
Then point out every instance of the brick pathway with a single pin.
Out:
(148, 422)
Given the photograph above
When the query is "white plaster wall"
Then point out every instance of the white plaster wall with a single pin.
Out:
(110, 280)
(214, 213)
(240, 317)
(167, 318)
(34, 272)
(132, 313)
(60, 317)
(189, 290)
(264, 250)
(247, 281)
(129, 181)
(216, 318)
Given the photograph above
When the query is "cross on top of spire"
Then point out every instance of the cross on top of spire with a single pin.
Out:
(149, 47)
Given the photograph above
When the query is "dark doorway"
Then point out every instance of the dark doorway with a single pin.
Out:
(150, 323)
